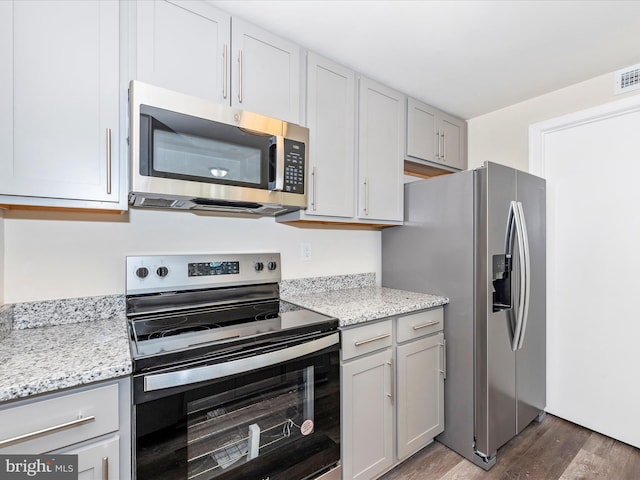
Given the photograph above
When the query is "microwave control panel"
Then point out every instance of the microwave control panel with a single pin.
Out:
(294, 160)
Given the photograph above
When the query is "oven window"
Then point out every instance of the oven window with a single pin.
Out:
(280, 422)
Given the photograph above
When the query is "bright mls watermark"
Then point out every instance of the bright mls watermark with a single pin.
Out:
(49, 467)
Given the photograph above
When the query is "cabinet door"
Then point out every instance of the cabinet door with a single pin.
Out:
(331, 121)
(381, 152)
(184, 46)
(452, 133)
(367, 413)
(98, 461)
(64, 81)
(422, 142)
(266, 72)
(420, 393)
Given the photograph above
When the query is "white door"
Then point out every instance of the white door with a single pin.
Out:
(592, 164)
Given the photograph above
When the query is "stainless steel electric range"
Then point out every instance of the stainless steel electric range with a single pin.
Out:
(229, 381)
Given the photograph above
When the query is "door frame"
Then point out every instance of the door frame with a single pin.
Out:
(538, 131)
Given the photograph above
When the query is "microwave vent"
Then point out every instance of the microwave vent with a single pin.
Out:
(158, 202)
(627, 79)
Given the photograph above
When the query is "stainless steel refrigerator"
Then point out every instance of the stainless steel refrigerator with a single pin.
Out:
(478, 237)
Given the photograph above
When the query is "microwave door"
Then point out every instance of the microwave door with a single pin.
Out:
(202, 150)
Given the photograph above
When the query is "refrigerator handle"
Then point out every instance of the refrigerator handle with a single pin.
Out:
(514, 212)
(527, 274)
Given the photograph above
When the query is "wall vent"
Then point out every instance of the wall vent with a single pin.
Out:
(626, 79)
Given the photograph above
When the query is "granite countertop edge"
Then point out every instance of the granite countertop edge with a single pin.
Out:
(361, 305)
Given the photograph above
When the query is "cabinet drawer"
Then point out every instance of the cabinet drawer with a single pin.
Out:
(52, 423)
(366, 338)
(419, 324)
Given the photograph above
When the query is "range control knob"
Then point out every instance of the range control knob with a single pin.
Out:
(162, 272)
(272, 266)
(259, 266)
(142, 272)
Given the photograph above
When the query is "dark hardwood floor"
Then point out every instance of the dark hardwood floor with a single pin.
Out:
(551, 450)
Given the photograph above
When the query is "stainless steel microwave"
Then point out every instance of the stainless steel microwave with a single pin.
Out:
(189, 153)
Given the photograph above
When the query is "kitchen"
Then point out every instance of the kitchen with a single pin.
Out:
(81, 254)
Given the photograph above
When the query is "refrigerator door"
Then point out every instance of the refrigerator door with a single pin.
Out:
(495, 395)
(531, 357)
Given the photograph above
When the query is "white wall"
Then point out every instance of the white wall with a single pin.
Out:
(503, 136)
(63, 255)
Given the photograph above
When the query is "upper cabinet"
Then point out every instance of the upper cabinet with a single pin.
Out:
(435, 136)
(184, 46)
(331, 104)
(59, 121)
(266, 69)
(193, 48)
(381, 136)
(355, 174)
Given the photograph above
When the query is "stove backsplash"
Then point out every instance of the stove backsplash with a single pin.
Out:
(6, 320)
(299, 286)
(87, 309)
(68, 310)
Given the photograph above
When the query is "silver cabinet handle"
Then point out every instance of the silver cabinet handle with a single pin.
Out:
(392, 390)
(105, 468)
(313, 186)
(366, 196)
(46, 431)
(444, 148)
(225, 70)
(424, 325)
(443, 371)
(108, 161)
(240, 76)
(358, 343)
(438, 140)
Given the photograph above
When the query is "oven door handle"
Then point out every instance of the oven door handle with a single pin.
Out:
(160, 381)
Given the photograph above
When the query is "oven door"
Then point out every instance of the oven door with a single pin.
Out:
(278, 421)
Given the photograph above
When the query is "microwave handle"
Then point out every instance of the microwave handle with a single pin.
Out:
(276, 164)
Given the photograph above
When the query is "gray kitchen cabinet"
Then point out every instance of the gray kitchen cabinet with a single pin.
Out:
(93, 422)
(265, 70)
(420, 393)
(434, 136)
(336, 193)
(98, 460)
(184, 46)
(367, 416)
(393, 374)
(194, 48)
(381, 133)
(330, 117)
(59, 124)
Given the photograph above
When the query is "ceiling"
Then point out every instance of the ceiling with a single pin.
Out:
(465, 57)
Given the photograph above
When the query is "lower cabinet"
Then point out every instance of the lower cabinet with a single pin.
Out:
(393, 374)
(93, 422)
(99, 460)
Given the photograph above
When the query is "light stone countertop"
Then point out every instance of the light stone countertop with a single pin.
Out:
(358, 305)
(46, 359)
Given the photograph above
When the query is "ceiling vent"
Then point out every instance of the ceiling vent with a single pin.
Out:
(626, 80)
